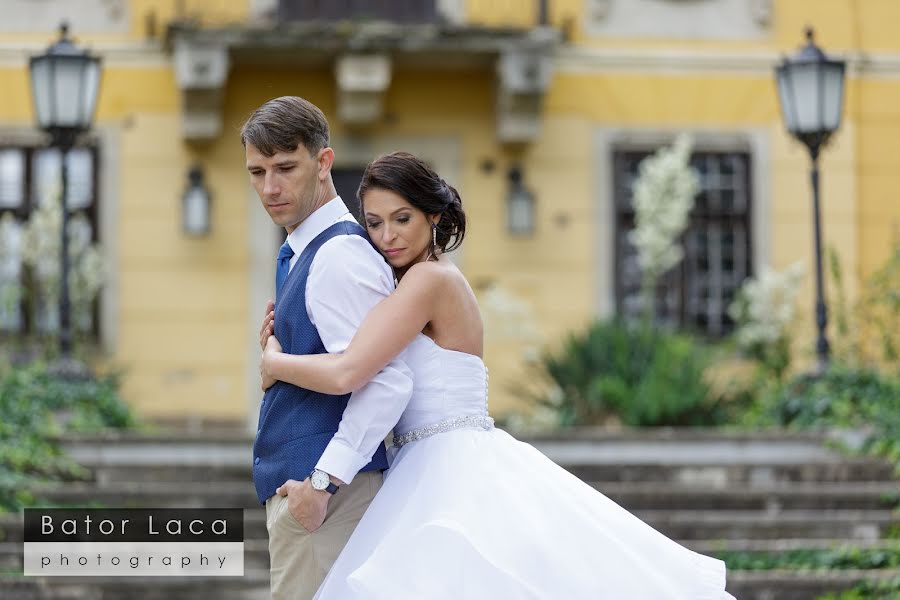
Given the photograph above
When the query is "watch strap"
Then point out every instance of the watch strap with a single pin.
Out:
(331, 488)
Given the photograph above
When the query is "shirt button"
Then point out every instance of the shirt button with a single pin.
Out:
(256, 461)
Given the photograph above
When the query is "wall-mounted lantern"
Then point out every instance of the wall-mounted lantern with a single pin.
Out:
(519, 205)
(195, 217)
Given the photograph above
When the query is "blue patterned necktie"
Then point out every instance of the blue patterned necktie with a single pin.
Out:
(283, 266)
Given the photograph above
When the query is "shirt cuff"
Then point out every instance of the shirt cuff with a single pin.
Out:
(341, 461)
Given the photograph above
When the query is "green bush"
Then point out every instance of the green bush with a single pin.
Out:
(885, 589)
(36, 407)
(640, 376)
(838, 558)
(844, 397)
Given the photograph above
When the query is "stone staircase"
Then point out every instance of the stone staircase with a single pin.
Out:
(712, 491)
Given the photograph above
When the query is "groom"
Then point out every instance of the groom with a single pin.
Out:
(317, 458)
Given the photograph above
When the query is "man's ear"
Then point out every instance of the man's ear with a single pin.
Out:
(325, 158)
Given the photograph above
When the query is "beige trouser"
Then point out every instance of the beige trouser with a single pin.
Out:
(299, 559)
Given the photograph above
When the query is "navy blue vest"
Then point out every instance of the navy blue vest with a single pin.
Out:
(295, 424)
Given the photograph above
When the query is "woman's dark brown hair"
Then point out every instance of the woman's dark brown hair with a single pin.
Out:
(411, 178)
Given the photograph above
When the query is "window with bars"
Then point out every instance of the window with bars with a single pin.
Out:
(696, 293)
(29, 176)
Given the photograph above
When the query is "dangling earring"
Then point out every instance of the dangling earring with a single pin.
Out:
(434, 236)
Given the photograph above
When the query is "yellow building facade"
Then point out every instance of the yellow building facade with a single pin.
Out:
(498, 104)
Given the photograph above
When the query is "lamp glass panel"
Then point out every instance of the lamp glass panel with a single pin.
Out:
(90, 87)
(42, 90)
(68, 91)
(521, 217)
(804, 84)
(196, 211)
(12, 178)
(833, 92)
(786, 97)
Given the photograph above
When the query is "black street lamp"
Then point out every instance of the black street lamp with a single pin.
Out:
(811, 91)
(64, 85)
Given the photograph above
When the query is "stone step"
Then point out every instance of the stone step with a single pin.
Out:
(746, 585)
(870, 495)
(851, 525)
(801, 585)
(150, 494)
(719, 476)
(256, 550)
(254, 585)
(849, 469)
(788, 544)
(631, 495)
(576, 447)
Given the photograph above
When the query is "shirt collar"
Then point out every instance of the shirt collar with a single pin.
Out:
(324, 217)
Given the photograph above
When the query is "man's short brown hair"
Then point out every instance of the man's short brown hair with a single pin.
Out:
(282, 124)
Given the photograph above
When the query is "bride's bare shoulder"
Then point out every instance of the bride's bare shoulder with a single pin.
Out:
(428, 276)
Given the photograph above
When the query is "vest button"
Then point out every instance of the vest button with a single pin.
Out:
(256, 461)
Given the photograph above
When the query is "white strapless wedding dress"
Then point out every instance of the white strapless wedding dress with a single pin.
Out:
(469, 513)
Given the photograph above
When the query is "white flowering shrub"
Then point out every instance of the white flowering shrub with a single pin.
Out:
(663, 197)
(765, 310)
(41, 252)
(10, 270)
(509, 318)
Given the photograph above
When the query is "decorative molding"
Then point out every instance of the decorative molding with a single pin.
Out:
(522, 81)
(263, 10)
(597, 10)
(363, 55)
(693, 19)
(762, 12)
(201, 70)
(452, 12)
(362, 80)
(94, 16)
(680, 61)
(148, 54)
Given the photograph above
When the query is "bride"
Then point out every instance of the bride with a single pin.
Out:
(467, 511)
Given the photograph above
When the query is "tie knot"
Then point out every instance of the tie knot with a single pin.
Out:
(285, 252)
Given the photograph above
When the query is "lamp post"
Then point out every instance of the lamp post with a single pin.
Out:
(64, 85)
(811, 93)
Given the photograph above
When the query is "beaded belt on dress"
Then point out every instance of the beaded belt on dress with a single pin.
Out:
(480, 421)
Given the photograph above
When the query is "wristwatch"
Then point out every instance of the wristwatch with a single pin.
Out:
(321, 481)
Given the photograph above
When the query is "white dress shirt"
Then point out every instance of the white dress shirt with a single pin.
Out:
(347, 278)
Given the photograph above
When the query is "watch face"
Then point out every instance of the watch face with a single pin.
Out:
(320, 480)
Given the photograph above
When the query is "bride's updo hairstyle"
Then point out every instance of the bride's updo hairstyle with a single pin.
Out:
(409, 177)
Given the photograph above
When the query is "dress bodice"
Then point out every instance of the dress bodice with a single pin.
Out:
(447, 385)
